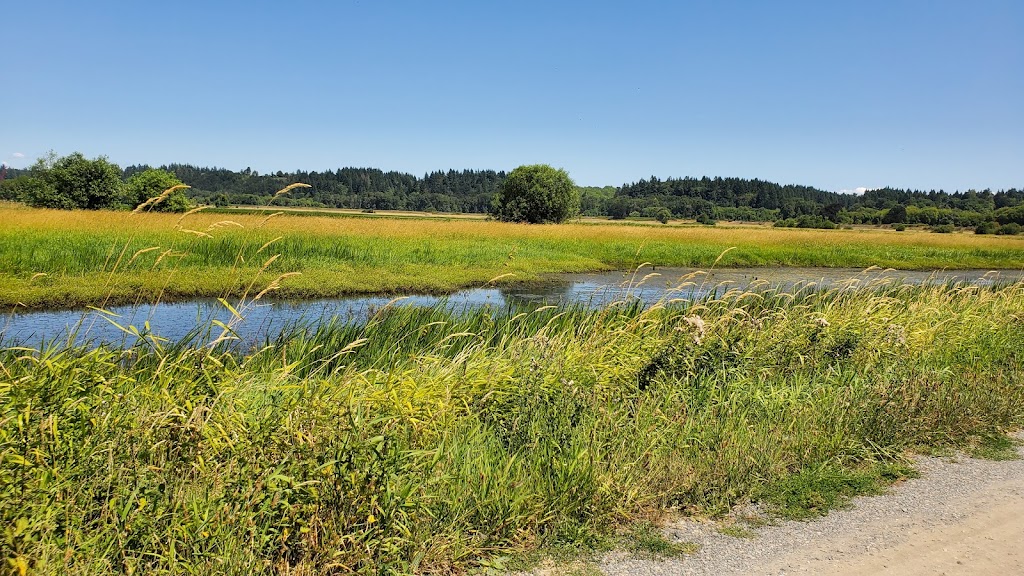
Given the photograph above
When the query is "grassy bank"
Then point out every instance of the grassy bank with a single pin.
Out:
(428, 443)
(64, 259)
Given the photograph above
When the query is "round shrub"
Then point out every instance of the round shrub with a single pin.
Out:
(536, 194)
(987, 227)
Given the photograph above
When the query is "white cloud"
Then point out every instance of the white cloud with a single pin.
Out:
(18, 155)
(859, 191)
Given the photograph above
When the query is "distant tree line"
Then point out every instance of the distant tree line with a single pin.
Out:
(709, 199)
(360, 188)
(74, 182)
(704, 199)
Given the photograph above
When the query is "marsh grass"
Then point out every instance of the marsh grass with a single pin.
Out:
(427, 441)
(430, 441)
(52, 258)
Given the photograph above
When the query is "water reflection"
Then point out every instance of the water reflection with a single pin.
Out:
(174, 320)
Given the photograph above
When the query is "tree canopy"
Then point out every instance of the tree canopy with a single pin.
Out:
(152, 183)
(72, 182)
(537, 194)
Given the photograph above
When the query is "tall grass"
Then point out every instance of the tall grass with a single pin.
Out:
(427, 441)
(54, 259)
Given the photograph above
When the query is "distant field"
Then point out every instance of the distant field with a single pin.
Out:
(61, 259)
(409, 214)
(297, 210)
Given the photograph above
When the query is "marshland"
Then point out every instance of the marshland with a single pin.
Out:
(292, 309)
(409, 288)
(63, 259)
(430, 439)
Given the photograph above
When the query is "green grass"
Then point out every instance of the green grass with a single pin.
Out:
(814, 491)
(64, 259)
(646, 539)
(432, 442)
(737, 531)
(995, 447)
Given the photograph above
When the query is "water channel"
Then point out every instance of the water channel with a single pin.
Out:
(268, 317)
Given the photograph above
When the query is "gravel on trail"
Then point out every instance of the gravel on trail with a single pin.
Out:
(961, 516)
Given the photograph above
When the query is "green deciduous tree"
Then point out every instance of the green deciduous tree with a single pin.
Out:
(537, 194)
(151, 184)
(895, 215)
(22, 188)
(74, 181)
(619, 207)
(663, 215)
(987, 227)
(1014, 215)
(35, 188)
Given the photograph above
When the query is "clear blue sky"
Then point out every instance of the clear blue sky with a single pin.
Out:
(839, 95)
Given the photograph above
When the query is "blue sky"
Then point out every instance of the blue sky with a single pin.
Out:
(839, 95)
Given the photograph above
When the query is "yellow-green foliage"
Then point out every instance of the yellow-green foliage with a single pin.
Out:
(425, 441)
(55, 258)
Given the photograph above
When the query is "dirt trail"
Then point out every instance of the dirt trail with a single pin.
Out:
(984, 535)
(961, 517)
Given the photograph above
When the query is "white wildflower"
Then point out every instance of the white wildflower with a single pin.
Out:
(696, 325)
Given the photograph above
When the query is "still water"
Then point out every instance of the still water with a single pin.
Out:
(269, 317)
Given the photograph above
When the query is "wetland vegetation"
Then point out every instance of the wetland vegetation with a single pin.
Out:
(431, 442)
(427, 440)
(313, 369)
(53, 258)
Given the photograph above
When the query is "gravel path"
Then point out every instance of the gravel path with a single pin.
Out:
(962, 516)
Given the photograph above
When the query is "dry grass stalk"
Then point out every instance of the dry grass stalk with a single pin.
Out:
(158, 199)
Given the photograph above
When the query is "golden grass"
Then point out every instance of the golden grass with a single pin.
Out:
(116, 257)
(28, 219)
